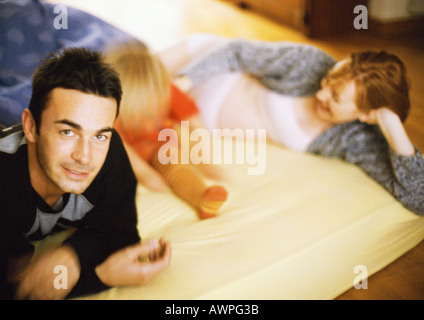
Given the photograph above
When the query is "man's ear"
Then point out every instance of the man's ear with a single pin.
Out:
(28, 125)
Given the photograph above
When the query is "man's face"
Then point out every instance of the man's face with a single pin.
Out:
(73, 139)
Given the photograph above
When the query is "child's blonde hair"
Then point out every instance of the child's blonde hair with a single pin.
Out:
(145, 84)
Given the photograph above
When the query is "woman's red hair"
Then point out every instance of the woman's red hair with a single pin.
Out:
(380, 80)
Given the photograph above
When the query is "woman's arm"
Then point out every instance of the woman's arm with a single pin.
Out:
(288, 68)
(392, 128)
(394, 132)
(367, 147)
(189, 49)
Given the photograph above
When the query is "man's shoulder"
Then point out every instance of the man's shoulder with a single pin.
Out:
(13, 161)
(11, 139)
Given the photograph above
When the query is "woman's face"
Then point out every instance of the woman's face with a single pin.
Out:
(337, 106)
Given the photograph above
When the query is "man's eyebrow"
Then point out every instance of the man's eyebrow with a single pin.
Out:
(78, 127)
(104, 130)
(69, 123)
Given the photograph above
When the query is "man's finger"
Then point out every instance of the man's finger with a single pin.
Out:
(25, 287)
(22, 292)
(166, 249)
(143, 249)
(145, 271)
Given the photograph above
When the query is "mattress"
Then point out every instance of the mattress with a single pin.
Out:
(300, 230)
(307, 228)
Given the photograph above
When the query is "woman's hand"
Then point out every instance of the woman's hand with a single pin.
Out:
(392, 128)
(381, 116)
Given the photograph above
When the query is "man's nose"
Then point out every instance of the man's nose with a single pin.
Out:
(82, 151)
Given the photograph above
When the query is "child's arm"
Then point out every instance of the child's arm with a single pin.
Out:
(184, 83)
(144, 173)
(196, 122)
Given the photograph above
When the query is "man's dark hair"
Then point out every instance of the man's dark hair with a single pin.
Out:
(73, 68)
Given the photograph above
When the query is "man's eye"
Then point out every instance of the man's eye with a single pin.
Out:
(67, 133)
(101, 137)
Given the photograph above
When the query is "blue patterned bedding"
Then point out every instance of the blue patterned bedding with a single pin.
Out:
(29, 29)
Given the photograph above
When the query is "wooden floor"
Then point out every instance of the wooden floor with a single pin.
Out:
(165, 21)
(401, 280)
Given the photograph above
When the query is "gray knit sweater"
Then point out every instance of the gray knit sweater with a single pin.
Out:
(296, 70)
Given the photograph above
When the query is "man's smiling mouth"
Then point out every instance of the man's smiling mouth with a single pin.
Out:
(76, 173)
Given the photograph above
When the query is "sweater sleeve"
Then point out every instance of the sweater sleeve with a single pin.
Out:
(12, 245)
(402, 176)
(112, 224)
(366, 147)
(409, 180)
(285, 67)
(16, 216)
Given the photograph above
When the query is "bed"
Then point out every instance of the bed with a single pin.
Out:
(307, 228)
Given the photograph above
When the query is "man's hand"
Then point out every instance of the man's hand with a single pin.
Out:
(37, 281)
(136, 264)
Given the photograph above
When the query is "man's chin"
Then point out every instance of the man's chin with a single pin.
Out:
(75, 187)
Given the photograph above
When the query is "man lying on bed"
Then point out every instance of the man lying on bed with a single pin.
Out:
(65, 167)
(353, 110)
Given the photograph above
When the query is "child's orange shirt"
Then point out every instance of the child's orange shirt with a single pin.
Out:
(144, 142)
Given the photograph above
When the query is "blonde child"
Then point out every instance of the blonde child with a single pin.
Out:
(151, 103)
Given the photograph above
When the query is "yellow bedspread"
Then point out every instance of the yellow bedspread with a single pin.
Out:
(296, 232)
